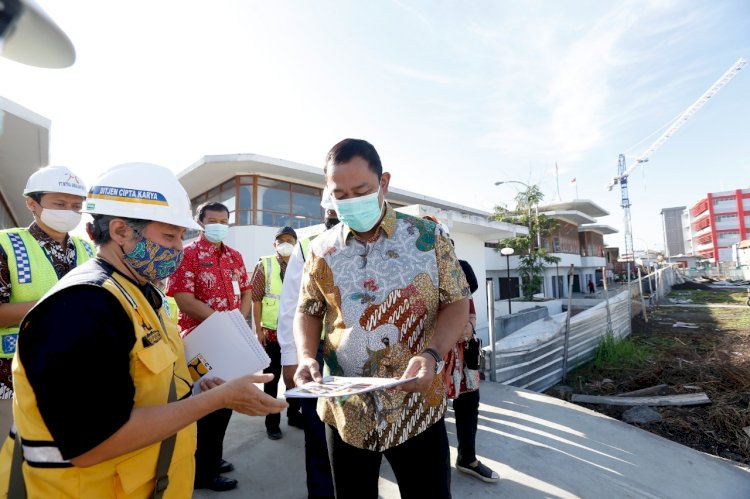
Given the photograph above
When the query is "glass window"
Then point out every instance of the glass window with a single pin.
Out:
(306, 201)
(246, 197)
(273, 219)
(273, 195)
(228, 196)
(244, 217)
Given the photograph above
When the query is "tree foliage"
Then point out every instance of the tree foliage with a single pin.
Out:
(532, 258)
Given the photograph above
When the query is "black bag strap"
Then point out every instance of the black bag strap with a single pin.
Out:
(167, 445)
(17, 485)
(165, 454)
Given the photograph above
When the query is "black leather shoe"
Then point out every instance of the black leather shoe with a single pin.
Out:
(274, 435)
(217, 484)
(225, 466)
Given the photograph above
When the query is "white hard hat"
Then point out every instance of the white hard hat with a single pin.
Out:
(29, 36)
(142, 191)
(55, 179)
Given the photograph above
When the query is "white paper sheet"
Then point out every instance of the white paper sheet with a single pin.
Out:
(223, 346)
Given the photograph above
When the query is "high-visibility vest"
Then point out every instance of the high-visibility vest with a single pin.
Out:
(305, 248)
(269, 317)
(171, 307)
(156, 360)
(31, 274)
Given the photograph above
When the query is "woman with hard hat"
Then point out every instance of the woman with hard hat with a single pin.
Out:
(102, 404)
(33, 259)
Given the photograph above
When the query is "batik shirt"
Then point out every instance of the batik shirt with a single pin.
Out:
(208, 272)
(380, 300)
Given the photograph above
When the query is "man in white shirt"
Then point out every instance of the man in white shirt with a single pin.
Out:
(319, 480)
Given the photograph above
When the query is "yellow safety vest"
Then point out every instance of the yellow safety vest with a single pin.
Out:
(132, 475)
(31, 274)
(269, 317)
(305, 247)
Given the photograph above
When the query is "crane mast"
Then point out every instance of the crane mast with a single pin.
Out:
(623, 172)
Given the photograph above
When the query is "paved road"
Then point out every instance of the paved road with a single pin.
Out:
(541, 447)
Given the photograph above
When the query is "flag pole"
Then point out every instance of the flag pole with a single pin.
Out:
(557, 176)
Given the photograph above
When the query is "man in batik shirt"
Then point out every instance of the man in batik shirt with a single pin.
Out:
(394, 300)
(212, 277)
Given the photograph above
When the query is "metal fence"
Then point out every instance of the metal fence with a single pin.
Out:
(532, 357)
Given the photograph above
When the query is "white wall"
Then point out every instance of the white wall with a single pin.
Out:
(252, 241)
(471, 249)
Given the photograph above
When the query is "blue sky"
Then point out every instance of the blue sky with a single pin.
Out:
(454, 95)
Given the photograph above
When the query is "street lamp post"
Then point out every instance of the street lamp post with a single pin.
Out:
(507, 251)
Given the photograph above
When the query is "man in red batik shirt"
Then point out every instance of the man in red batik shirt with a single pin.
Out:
(212, 277)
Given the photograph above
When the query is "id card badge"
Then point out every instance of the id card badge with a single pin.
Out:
(236, 287)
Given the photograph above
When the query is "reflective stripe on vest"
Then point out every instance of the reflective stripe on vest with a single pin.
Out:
(31, 274)
(41, 455)
(269, 317)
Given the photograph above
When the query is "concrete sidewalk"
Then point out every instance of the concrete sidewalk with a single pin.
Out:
(540, 446)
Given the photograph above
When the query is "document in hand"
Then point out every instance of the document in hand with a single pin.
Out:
(339, 386)
(225, 347)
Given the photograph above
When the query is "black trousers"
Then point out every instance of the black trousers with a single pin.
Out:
(273, 421)
(317, 464)
(421, 465)
(466, 410)
(211, 430)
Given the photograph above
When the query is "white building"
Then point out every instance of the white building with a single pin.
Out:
(577, 240)
(24, 147)
(264, 193)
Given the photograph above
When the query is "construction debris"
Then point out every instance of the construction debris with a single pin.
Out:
(641, 415)
(672, 400)
(688, 284)
(686, 325)
(651, 390)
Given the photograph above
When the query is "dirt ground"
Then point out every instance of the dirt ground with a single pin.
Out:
(713, 358)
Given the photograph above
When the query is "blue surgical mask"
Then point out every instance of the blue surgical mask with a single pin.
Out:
(153, 261)
(215, 233)
(360, 214)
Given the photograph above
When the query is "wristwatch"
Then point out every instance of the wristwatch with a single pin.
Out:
(439, 362)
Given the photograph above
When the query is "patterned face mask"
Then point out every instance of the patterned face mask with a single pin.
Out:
(153, 261)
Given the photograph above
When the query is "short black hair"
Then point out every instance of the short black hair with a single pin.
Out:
(99, 229)
(344, 151)
(36, 196)
(200, 212)
(471, 278)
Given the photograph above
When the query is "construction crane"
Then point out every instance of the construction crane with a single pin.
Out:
(623, 173)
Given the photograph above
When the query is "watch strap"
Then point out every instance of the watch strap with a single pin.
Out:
(434, 354)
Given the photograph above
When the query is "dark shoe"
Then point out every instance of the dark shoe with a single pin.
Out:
(295, 420)
(274, 435)
(225, 466)
(479, 471)
(217, 484)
